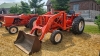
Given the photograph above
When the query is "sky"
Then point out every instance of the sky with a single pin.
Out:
(11, 1)
(8, 1)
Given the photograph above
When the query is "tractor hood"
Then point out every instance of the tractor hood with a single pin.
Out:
(11, 16)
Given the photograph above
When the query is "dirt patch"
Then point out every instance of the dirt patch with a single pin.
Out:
(71, 45)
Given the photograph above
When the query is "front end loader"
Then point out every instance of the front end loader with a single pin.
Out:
(28, 43)
(53, 23)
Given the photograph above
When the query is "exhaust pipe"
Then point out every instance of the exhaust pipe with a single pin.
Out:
(28, 43)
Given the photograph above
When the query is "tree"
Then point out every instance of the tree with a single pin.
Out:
(97, 18)
(41, 11)
(98, 1)
(60, 4)
(36, 5)
(97, 21)
(24, 7)
(14, 9)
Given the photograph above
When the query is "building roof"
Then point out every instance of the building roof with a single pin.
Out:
(8, 5)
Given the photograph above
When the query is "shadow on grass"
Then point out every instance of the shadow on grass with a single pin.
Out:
(37, 53)
(66, 42)
(84, 36)
(8, 34)
(0, 27)
(27, 29)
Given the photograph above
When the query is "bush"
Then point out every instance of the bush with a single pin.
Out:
(60, 5)
(97, 21)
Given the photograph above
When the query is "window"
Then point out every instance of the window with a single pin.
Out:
(76, 7)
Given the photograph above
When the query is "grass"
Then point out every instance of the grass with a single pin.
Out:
(91, 29)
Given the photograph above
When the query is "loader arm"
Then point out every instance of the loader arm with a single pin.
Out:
(46, 28)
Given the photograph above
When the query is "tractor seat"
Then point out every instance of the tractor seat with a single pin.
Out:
(71, 12)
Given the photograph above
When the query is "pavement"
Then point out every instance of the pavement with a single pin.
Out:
(89, 23)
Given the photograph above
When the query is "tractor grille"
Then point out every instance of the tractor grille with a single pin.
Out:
(43, 21)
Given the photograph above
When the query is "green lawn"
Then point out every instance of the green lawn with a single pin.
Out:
(91, 29)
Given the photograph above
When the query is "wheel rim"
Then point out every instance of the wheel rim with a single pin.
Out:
(13, 30)
(81, 25)
(58, 37)
(39, 32)
(0, 24)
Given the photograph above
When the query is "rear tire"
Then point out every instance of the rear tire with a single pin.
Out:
(0, 24)
(31, 22)
(56, 37)
(13, 29)
(78, 25)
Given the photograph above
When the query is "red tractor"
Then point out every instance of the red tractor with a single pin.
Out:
(11, 22)
(2, 17)
(53, 23)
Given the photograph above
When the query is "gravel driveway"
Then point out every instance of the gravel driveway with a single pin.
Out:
(90, 23)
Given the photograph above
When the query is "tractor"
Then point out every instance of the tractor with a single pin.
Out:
(11, 22)
(53, 23)
(2, 17)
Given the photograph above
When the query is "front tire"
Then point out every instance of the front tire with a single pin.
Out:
(56, 37)
(0, 24)
(38, 32)
(13, 29)
(78, 25)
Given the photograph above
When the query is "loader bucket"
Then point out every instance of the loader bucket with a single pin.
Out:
(27, 43)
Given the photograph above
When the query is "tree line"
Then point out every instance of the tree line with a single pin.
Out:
(35, 5)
